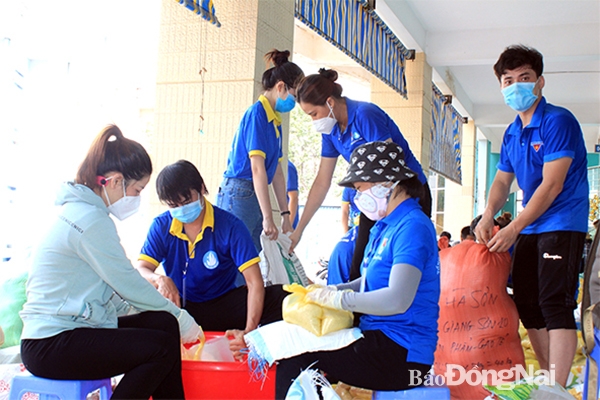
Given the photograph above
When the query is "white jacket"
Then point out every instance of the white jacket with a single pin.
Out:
(80, 273)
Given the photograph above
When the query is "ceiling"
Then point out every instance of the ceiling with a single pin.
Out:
(462, 40)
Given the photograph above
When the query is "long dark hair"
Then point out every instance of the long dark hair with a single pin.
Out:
(412, 187)
(317, 88)
(282, 70)
(111, 151)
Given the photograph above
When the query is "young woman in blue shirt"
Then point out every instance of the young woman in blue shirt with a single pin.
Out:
(346, 124)
(254, 161)
(399, 287)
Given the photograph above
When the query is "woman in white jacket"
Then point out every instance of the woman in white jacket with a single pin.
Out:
(89, 314)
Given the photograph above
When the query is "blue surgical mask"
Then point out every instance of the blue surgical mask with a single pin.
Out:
(286, 105)
(519, 96)
(187, 213)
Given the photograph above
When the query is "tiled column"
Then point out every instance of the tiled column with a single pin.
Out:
(233, 58)
(460, 199)
(413, 115)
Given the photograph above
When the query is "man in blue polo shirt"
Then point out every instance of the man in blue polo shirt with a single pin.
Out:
(545, 150)
(202, 248)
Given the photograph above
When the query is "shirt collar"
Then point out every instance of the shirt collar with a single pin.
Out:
(400, 212)
(536, 119)
(176, 228)
(351, 107)
(272, 115)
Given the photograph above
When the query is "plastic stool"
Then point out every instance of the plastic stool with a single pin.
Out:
(64, 390)
(418, 393)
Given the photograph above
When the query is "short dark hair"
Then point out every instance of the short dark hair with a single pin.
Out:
(516, 56)
(177, 181)
(317, 88)
(447, 234)
(465, 232)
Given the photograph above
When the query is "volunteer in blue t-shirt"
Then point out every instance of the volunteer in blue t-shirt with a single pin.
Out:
(398, 291)
(201, 249)
(350, 213)
(254, 160)
(544, 149)
(292, 193)
(346, 124)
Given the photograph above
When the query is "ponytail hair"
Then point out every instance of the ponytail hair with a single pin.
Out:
(111, 151)
(282, 70)
(317, 88)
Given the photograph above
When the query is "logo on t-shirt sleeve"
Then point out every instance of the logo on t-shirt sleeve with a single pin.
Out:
(536, 145)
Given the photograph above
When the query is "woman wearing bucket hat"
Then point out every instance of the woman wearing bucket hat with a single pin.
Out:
(346, 124)
(399, 289)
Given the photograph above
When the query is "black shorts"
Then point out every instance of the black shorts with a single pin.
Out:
(545, 275)
(230, 310)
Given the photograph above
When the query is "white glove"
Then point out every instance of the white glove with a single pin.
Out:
(326, 297)
(190, 331)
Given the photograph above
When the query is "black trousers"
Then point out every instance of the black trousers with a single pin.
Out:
(374, 362)
(145, 347)
(364, 229)
(229, 311)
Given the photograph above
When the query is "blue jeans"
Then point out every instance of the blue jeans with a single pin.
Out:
(237, 196)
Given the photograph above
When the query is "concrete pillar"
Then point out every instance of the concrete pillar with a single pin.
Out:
(413, 115)
(460, 199)
(232, 56)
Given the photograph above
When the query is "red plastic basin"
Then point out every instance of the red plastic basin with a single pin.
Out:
(224, 380)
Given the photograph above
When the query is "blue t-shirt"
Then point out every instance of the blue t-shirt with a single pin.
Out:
(338, 269)
(354, 213)
(367, 123)
(259, 133)
(406, 236)
(292, 186)
(553, 133)
(222, 248)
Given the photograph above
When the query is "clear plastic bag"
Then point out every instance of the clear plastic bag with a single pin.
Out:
(215, 349)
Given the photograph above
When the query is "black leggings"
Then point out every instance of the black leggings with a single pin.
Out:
(364, 229)
(145, 347)
(374, 362)
(229, 311)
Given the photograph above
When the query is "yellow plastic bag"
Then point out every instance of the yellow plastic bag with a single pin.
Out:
(312, 317)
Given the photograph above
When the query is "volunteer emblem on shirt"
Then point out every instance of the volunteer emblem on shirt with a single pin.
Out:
(356, 137)
(536, 145)
(382, 246)
(210, 260)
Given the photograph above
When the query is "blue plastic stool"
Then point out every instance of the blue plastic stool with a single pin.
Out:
(418, 393)
(64, 390)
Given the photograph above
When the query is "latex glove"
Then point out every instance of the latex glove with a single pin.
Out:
(314, 286)
(326, 297)
(190, 331)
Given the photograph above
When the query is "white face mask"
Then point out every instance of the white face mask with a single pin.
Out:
(125, 207)
(325, 125)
